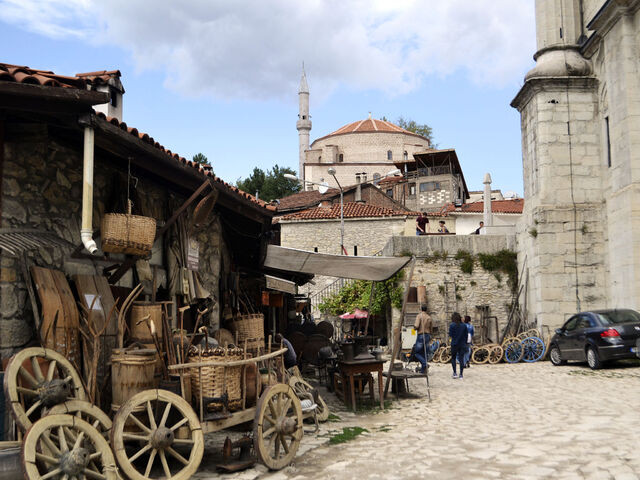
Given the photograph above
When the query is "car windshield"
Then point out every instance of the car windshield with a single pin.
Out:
(618, 316)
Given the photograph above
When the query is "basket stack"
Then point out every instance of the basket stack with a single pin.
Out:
(250, 329)
(126, 233)
(215, 381)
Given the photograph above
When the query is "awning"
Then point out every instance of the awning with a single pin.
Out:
(344, 266)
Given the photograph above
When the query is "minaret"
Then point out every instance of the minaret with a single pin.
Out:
(304, 122)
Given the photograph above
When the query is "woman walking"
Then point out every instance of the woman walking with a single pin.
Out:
(458, 335)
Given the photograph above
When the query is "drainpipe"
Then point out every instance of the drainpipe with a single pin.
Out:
(86, 231)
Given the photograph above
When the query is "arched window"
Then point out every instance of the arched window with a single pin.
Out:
(389, 155)
(406, 156)
(376, 178)
(319, 158)
(341, 158)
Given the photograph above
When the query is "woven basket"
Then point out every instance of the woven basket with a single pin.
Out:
(126, 233)
(215, 382)
(250, 328)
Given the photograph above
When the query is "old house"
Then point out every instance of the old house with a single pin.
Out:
(64, 164)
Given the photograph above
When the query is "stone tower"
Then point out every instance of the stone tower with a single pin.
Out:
(563, 230)
(304, 123)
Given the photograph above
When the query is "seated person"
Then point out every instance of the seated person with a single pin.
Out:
(290, 358)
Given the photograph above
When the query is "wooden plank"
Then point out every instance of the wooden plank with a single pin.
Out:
(71, 314)
(397, 340)
(236, 418)
(63, 95)
(50, 302)
(107, 301)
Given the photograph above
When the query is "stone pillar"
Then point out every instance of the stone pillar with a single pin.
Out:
(488, 218)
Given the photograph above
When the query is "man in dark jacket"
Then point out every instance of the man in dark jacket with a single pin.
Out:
(290, 358)
(458, 335)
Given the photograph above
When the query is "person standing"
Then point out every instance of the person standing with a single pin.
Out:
(422, 223)
(290, 358)
(477, 231)
(470, 333)
(458, 336)
(443, 227)
(423, 326)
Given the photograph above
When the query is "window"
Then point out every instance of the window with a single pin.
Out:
(406, 156)
(412, 189)
(390, 192)
(304, 117)
(341, 158)
(389, 155)
(571, 324)
(608, 139)
(319, 158)
(584, 322)
(376, 178)
(114, 97)
(315, 249)
(355, 250)
(429, 186)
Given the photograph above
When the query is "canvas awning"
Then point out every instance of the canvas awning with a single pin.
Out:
(344, 266)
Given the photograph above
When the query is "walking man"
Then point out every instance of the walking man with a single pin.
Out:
(422, 224)
(423, 326)
(470, 333)
(458, 334)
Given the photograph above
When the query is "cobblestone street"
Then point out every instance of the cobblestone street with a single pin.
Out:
(521, 421)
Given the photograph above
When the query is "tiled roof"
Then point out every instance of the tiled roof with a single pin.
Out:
(514, 206)
(370, 125)
(351, 210)
(47, 78)
(306, 199)
(151, 141)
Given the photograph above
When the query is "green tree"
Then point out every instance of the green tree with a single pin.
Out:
(423, 130)
(200, 159)
(269, 185)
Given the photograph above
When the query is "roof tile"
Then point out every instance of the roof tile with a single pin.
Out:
(351, 210)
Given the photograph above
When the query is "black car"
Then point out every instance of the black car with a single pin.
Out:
(596, 337)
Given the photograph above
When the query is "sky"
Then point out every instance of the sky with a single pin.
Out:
(221, 77)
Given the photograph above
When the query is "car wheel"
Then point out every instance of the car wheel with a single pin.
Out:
(593, 359)
(554, 356)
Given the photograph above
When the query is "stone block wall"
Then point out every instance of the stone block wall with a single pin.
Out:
(42, 189)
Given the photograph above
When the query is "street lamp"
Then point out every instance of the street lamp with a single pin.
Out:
(332, 172)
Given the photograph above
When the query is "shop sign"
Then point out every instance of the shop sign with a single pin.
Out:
(275, 283)
(193, 254)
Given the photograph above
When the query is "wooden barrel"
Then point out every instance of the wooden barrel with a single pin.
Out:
(139, 330)
(422, 294)
(131, 373)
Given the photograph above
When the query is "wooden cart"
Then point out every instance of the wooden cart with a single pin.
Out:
(155, 434)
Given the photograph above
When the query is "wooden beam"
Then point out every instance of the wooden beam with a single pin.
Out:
(129, 262)
(59, 94)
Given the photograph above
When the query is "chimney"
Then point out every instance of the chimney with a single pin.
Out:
(106, 81)
(359, 193)
(488, 218)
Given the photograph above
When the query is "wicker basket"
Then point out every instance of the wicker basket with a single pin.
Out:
(250, 328)
(126, 233)
(215, 382)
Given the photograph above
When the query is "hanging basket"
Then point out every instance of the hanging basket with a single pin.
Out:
(126, 233)
(250, 330)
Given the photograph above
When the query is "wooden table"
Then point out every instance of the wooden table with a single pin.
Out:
(404, 375)
(349, 369)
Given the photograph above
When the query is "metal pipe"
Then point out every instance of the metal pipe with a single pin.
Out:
(86, 230)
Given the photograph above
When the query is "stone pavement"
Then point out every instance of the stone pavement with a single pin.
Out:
(521, 421)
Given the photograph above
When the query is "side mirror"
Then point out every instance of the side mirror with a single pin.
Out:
(559, 331)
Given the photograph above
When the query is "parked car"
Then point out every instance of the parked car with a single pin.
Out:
(597, 337)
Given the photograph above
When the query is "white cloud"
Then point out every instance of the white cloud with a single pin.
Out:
(253, 49)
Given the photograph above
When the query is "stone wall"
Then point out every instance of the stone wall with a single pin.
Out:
(438, 270)
(42, 189)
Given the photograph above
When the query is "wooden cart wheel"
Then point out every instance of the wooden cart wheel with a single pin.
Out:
(445, 355)
(38, 378)
(277, 428)
(480, 355)
(508, 340)
(495, 354)
(157, 428)
(87, 412)
(301, 386)
(67, 448)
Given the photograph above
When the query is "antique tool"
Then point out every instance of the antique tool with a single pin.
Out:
(245, 458)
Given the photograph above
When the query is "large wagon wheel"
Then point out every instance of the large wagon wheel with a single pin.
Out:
(277, 428)
(301, 387)
(495, 354)
(533, 349)
(480, 355)
(87, 412)
(513, 352)
(157, 428)
(67, 448)
(38, 378)
(508, 340)
(445, 355)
